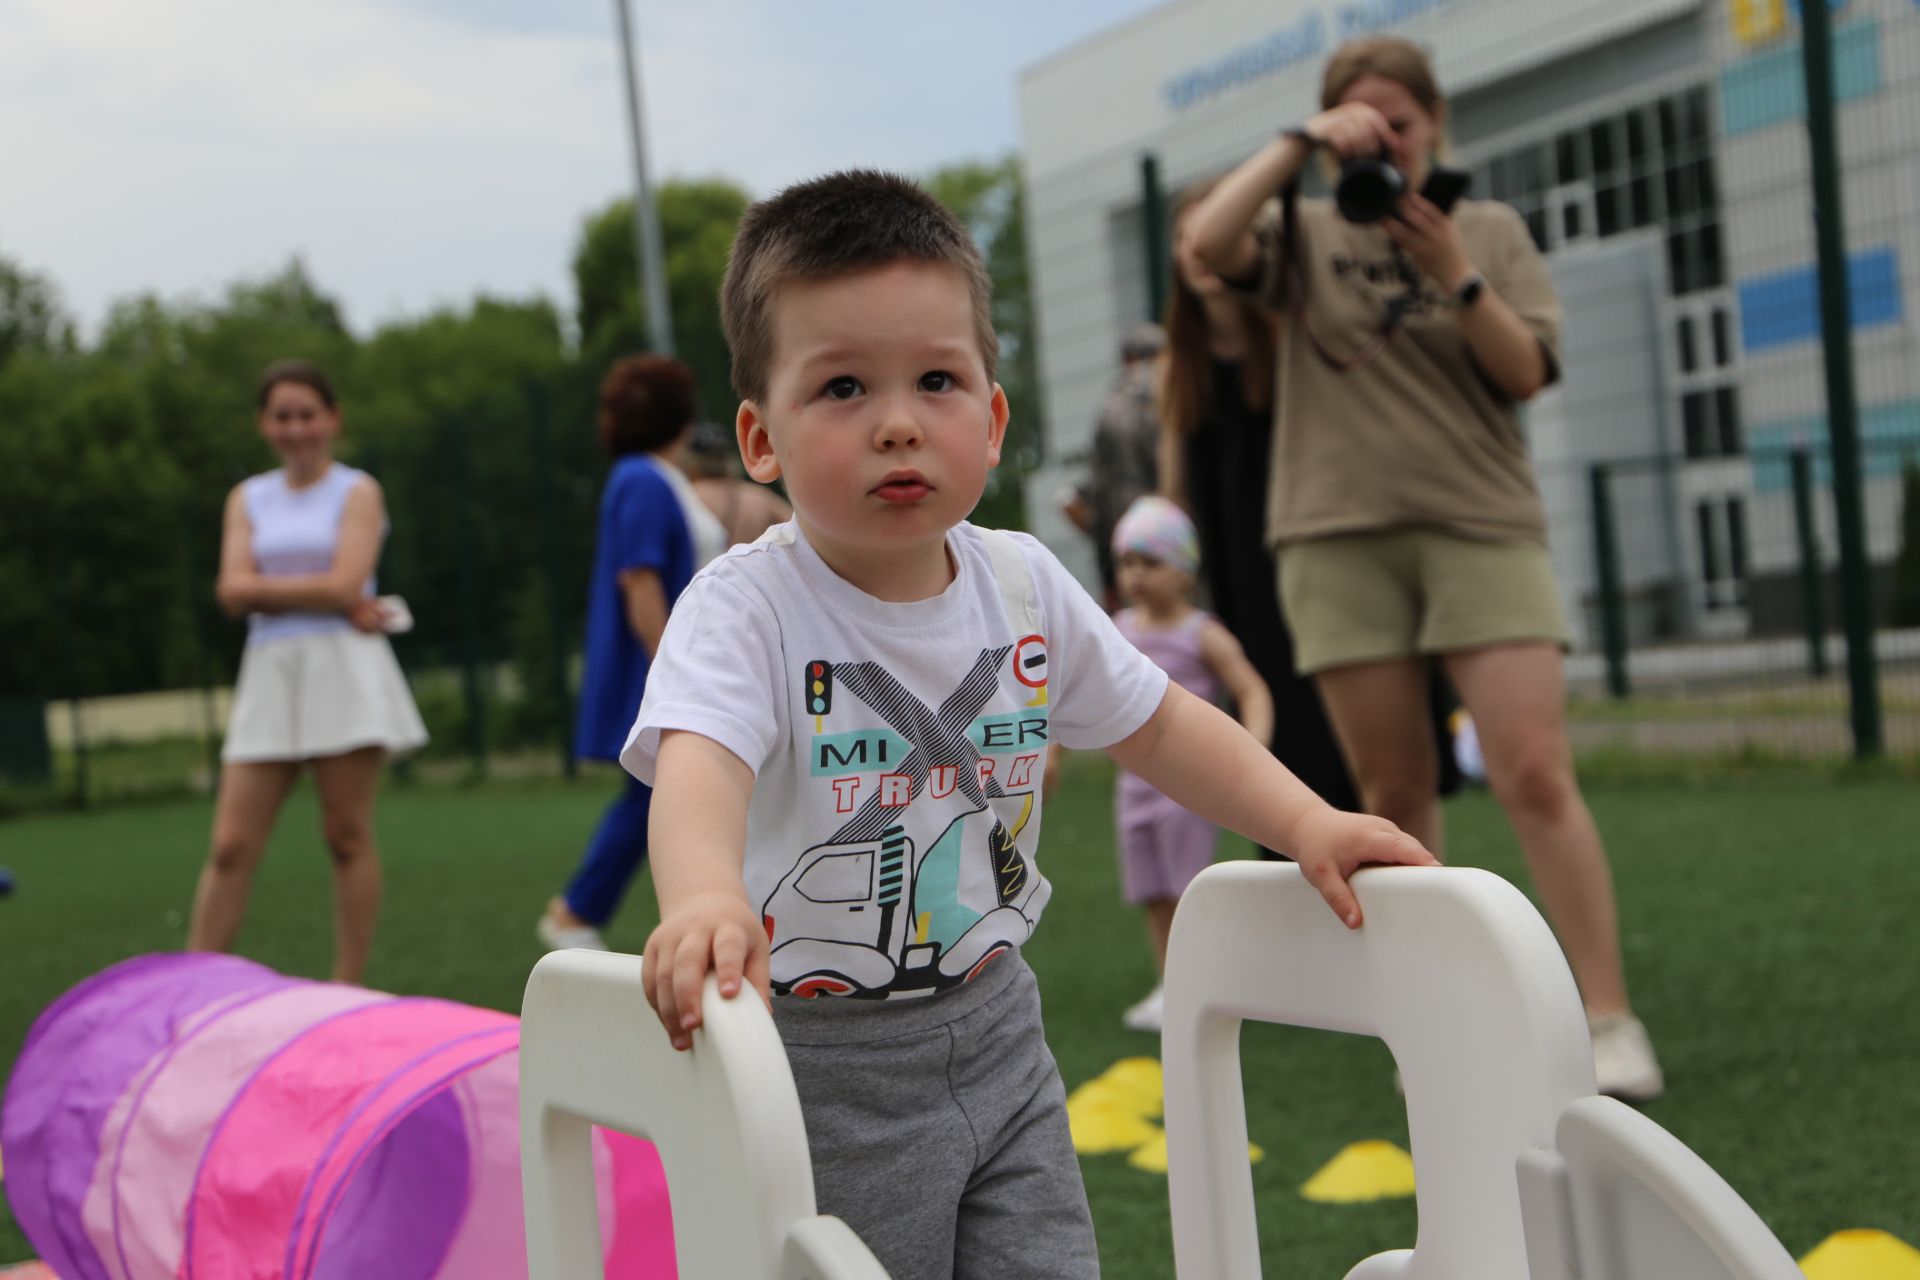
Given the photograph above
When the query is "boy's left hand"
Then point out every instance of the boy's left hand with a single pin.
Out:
(1333, 845)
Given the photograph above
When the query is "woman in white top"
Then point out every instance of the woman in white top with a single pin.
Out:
(318, 683)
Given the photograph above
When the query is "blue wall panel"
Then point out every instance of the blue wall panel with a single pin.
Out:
(1784, 308)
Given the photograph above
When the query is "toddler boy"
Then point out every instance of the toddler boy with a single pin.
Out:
(846, 728)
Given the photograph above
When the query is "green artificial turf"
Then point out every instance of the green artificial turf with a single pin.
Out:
(1764, 927)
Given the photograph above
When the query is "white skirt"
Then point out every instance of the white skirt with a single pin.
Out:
(320, 694)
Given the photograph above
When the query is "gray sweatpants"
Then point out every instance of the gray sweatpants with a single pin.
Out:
(939, 1130)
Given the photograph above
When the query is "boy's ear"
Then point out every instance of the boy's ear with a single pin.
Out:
(997, 414)
(756, 447)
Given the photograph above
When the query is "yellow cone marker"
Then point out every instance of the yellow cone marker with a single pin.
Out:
(1862, 1255)
(1152, 1157)
(1364, 1171)
(1103, 1130)
(1131, 1084)
(1116, 1110)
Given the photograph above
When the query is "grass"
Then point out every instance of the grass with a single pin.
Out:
(1766, 940)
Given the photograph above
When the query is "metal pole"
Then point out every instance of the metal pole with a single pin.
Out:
(1153, 224)
(1843, 411)
(646, 223)
(1606, 571)
(1813, 607)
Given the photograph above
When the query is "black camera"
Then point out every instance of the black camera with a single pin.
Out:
(1369, 188)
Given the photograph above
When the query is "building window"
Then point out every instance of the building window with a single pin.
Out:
(1570, 157)
(1720, 524)
(1651, 166)
(1705, 527)
(1695, 123)
(1679, 182)
(1636, 139)
(1726, 412)
(1641, 192)
(1710, 423)
(1684, 332)
(1711, 266)
(1737, 541)
(1704, 189)
(1722, 338)
(1679, 263)
(1696, 408)
(1606, 211)
(1600, 134)
(1572, 221)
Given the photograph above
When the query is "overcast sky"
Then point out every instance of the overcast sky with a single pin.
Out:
(415, 152)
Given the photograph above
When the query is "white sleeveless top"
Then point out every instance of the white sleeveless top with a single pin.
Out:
(296, 531)
(708, 534)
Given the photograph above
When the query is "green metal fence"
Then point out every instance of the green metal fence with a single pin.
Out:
(1708, 597)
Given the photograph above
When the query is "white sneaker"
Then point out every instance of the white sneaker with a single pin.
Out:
(1146, 1015)
(1623, 1061)
(569, 937)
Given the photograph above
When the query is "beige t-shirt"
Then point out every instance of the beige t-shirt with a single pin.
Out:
(1419, 436)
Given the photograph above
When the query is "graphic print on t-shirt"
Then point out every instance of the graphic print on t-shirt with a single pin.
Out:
(872, 910)
(1388, 283)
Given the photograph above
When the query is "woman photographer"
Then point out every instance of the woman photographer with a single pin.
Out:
(1402, 504)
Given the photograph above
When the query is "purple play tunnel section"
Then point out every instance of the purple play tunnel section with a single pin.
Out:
(201, 1117)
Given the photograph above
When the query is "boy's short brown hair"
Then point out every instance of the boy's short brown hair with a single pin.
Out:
(846, 222)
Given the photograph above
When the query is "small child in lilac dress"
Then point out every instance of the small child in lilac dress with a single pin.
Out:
(1162, 846)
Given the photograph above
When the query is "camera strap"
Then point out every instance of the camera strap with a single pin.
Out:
(1293, 286)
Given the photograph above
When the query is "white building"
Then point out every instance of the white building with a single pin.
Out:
(1659, 152)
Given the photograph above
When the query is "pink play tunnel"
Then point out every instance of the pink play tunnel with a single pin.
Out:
(202, 1117)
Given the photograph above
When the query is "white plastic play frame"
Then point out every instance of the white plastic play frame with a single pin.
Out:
(1522, 1171)
(724, 1116)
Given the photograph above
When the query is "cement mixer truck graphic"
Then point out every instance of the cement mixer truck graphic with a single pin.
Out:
(881, 915)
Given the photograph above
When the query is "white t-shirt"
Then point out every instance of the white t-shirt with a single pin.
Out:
(898, 749)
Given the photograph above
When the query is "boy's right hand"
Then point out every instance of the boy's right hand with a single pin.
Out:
(1331, 845)
(714, 932)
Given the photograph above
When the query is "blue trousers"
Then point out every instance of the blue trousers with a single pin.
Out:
(618, 847)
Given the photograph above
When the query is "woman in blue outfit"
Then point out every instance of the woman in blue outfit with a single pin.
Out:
(654, 534)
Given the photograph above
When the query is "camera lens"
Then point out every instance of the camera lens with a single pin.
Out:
(1368, 189)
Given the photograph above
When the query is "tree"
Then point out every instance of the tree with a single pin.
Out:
(697, 218)
(30, 314)
(92, 593)
(116, 456)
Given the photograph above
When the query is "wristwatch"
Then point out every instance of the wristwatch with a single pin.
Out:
(1469, 291)
(1300, 131)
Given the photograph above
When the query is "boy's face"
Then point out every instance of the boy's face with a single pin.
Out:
(878, 411)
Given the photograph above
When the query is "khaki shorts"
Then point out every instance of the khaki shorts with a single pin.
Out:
(1370, 597)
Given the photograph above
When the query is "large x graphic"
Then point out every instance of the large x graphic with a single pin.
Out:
(938, 737)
